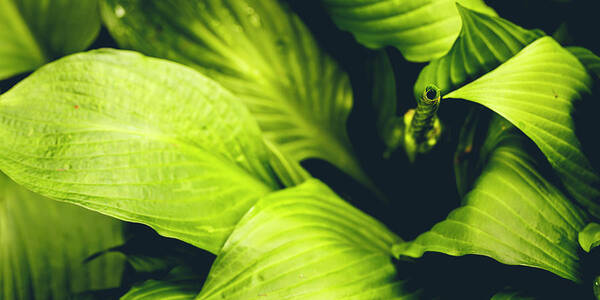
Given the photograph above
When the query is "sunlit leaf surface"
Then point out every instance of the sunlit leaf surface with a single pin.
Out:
(137, 138)
(262, 53)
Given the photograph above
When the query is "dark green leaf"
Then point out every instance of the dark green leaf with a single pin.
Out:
(33, 32)
(589, 237)
(179, 284)
(590, 60)
(510, 294)
(389, 125)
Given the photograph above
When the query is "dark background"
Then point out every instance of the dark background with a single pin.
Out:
(416, 204)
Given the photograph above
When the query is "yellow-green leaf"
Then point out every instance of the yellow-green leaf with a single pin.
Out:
(535, 90)
(138, 138)
(263, 53)
(421, 29)
(306, 243)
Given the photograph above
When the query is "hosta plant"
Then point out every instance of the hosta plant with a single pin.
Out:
(266, 149)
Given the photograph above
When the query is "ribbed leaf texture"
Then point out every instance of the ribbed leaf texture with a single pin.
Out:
(421, 29)
(535, 90)
(306, 243)
(590, 60)
(264, 54)
(137, 138)
(512, 214)
(484, 43)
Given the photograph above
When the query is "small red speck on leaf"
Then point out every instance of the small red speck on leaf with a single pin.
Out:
(76, 106)
(60, 170)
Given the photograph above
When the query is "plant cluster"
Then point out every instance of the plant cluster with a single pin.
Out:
(271, 149)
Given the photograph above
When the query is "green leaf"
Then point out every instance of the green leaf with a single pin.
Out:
(510, 294)
(137, 138)
(535, 90)
(289, 172)
(596, 287)
(43, 245)
(590, 60)
(306, 243)
(467, 161)
(33, 32)
(264, 54)
(513, 214)
(589, 237)
(421, 29)
(389, 126)
(179, 284)
(484, 43)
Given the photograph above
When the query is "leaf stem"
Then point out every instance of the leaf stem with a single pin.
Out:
(423, 127)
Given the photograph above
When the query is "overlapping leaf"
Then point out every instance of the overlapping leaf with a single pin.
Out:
(179, 284)
(288, 171)
(264, 54)
(590, 60)
(484, 43)
(589, 237)
(421, 29)
(513, 214)
(306, 243)
(33, 32)
(137, 138)
(389, 126)
(535, 90)
(43, 245)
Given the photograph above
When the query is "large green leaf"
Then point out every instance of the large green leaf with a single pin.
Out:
(138, 138)
(513, 214)
(421, 29)
(306, 243)
(535, 90)
(260, 51)
(484, 43)
(33, 32)
(43, 245)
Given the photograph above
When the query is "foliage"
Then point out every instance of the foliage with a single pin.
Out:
(277, 149)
